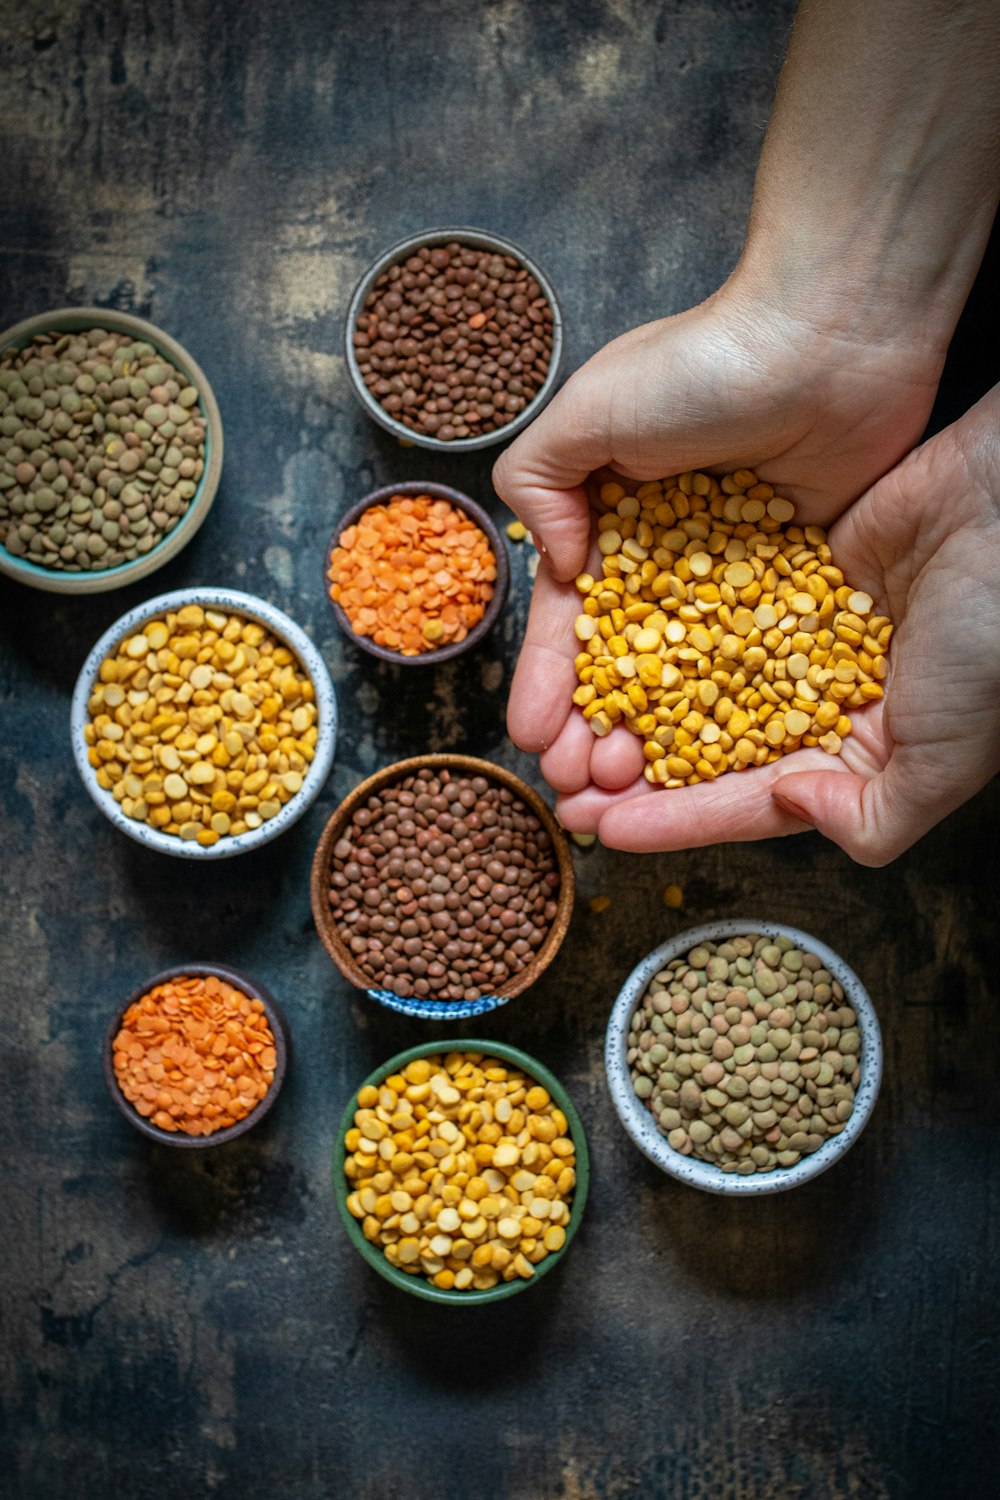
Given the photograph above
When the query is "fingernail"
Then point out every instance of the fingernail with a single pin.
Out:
(793, 808)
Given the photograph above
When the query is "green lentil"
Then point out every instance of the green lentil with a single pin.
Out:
(742, 1063)
(60, 397)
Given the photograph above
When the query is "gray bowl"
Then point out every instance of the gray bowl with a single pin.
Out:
(639, 1122)
(282, 1046)
(485, 523)
(480, 239)
(293, 636)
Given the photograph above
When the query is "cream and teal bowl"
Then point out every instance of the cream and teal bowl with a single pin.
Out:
(638, 1120)
(102, 580)
(280, 625)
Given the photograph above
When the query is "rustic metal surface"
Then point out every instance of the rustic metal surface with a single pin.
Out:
(191, 1324)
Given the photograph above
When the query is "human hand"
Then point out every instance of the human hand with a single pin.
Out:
(744, 380)
(925, 543)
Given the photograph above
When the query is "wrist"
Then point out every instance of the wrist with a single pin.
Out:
(846, 297)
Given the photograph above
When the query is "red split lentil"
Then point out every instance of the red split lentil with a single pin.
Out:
(413, 574)
(195, 1055)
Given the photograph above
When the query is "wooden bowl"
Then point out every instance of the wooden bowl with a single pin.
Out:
(483, 521)
(330, 933)
(282, 1046)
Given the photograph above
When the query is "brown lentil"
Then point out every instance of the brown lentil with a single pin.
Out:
(202, 724)
(443, 886)
(102, 447)
(194, 1055)
(455, 340)
(720, 633)
(746, 1053)
(462, 1169)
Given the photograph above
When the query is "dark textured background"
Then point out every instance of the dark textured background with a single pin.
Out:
(189, 1325)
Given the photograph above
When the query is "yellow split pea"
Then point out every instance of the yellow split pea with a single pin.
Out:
(462, 1169)
(202, 724)
(719, 632)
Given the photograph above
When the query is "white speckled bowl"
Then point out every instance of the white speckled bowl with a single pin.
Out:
(638, 1120)
(294, 638)
(102, 580)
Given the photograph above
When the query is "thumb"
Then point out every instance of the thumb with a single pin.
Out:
(541, 475)
(872, 818)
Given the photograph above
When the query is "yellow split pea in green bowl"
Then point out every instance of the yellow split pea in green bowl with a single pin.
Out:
(480, 1157)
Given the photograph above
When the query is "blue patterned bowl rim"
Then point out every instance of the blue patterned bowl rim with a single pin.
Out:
(437, 1010)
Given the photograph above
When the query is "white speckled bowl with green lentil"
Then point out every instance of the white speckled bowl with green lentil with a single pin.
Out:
(666, 1138)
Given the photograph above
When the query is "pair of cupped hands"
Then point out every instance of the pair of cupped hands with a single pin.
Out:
(829, 419)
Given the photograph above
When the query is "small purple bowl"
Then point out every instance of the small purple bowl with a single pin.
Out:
(476, 513)
(282, 1046)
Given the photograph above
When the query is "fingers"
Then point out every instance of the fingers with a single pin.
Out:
(874, 819)
(541, 475)
(566, 764)
(617, 760)
(735, 809)
(582, 812)
(541, 695)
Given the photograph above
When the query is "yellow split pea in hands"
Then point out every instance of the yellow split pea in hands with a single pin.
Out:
(719, 632)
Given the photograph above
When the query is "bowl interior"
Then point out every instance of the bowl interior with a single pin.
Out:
(72, 320)
(282, 1046)
(329, 932)
(479, 239)
(638, 1120)
(291, 635)
(500, 588)
(419, 1286)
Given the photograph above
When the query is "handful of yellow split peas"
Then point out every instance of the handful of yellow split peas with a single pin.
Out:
(720, 632)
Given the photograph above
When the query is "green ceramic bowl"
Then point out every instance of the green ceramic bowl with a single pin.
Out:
(419, 1286)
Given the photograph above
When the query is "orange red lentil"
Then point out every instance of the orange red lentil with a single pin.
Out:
(462, 1169)
(195, 1055)
(414, 573)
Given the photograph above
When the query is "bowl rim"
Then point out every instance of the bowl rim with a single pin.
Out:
(637, 1120)
(293, 636)
(282, 1046)
(478, 239)
(104, 580)
(441, 1010)
(418, 1285)
(485, 523)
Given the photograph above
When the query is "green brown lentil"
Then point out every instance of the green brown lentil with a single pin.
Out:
(746, 1053)
(102, 447)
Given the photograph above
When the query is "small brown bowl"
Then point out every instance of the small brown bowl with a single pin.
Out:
(330, 935)
(282, 1046)
(483, 521)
